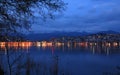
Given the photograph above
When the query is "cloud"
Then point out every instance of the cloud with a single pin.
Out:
(88, 15)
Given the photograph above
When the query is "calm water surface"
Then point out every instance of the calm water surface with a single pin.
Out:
(62, 60)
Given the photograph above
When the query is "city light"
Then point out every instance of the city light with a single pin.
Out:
(44, 44)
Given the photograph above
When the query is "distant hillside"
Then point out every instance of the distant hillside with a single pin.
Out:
(108, 32)
(47, 36)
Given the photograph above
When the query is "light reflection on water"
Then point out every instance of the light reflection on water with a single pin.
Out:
(94, 47)
(58, 58)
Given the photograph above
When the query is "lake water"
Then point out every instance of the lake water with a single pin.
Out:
(60, 60)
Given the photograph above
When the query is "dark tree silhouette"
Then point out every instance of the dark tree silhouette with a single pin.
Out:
(17, 14)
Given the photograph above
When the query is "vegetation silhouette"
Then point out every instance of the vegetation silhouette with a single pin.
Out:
(17, 16)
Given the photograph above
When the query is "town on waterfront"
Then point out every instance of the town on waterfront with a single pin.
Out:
(94, 41)
(59, 37)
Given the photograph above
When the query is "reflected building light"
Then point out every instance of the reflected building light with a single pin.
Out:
(62, 44)
(49, 44)
(38, 44)
(22, 43)
(83, 44)
(108, 44)
(68, 44)
(91, 44)
(86, 44)
(115, 44)
(29, 43)
(102, 44)
(25, 45)
(9, 44)
(59, 44)
(95, 43)
(15, 45)
(75, 45)
(44, 44)
(2, 45)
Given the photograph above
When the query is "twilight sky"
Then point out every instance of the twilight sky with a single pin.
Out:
(83, 15)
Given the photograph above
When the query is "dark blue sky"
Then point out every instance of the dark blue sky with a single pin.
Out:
(84, 15)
